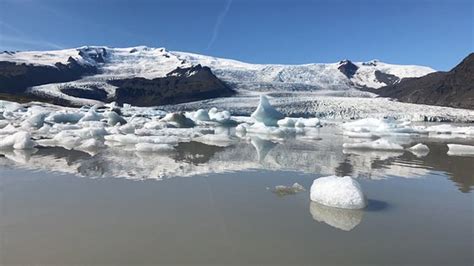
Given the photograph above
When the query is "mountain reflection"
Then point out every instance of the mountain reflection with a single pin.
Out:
(321, 156)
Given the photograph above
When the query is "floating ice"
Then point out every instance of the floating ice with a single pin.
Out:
(299, 122)
(339, 192)
(450, 129)
(178, 120)
(379, 144)
(201, 115)
(19, 141)
(369, 127)
(64, 117)
(8, 130)
(459, 149)
(419, 150)
(91, 115)
(287, 122)
(223, 117)
(149, 147)
(35, 121)
(220, 140)
(113, 118)
(282, 190)
(266, 114)
(342, 219)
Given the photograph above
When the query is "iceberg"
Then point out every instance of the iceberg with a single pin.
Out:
(64, 117)
(91, 115)
(113, 118)
(178, 120)
(266, 114)
(420, 150)
(369, 127)
(19, 141)
(460, 150)
(223, 117)
(339, 192)
(201, 115)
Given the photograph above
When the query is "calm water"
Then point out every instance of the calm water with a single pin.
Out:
(208, 204)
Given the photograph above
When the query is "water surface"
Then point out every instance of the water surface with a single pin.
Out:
(209, 204)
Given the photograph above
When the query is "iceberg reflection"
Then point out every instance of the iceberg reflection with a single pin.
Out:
(343, 219)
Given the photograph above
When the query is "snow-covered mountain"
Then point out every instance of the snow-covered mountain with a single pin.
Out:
(104, 64)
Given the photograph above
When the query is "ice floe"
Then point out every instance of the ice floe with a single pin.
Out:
(339, 192)
(379, 144)
(419, 150)
(460, 149)
(19, 141)
(282, 190)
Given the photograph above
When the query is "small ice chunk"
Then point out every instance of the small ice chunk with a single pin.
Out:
(282, 190)
(310, 122)
(113, 118)
(36, 120)
(459, 149)
(149, 147)
(90, 144)
(201, 115)
(178, 120)
(266, 114)
(340, 192)
(19, 141)
(219, 117)
(419, 147)
(287, 122)
(379, 144)
(91, 115)
(242, 128)
(64, 117)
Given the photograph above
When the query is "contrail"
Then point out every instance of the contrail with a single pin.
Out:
(220, 18)
(19, 37)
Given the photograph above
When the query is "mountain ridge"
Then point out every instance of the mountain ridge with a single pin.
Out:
(110, 64)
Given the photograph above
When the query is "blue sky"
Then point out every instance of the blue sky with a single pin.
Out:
(437, 33)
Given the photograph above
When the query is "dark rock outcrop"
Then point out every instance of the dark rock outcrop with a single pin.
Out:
(388, 79)
(347, 68)
(181, 85)
(16, 78)
(92, 93)
(454, 88)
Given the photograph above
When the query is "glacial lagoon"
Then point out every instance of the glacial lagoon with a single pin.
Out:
(211, 202)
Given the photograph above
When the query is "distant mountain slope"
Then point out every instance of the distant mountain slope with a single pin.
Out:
(454, 88)
(88, 73)
(333, 76)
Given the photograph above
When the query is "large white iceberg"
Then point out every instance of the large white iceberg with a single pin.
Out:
(459, 149)
(266, 114)
(339, 192)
